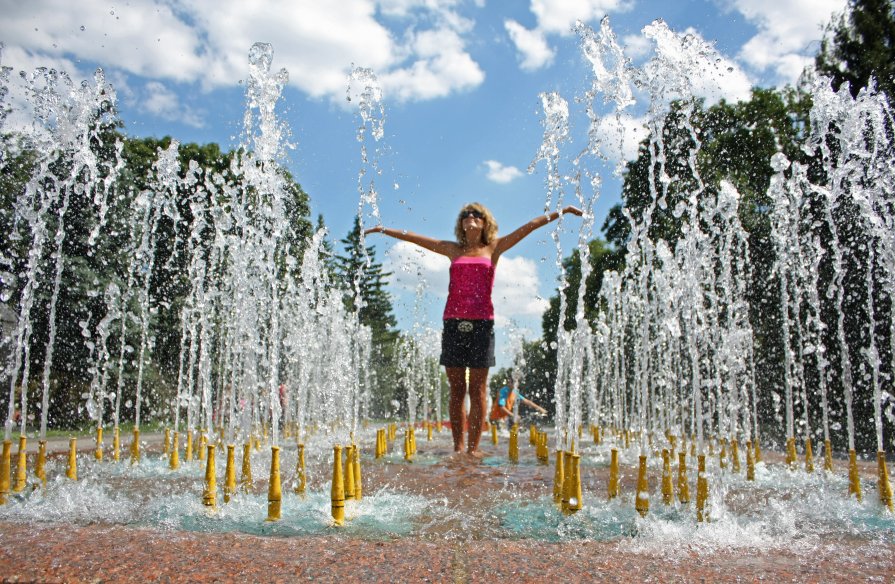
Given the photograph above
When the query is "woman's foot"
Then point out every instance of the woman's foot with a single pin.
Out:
(475, 454)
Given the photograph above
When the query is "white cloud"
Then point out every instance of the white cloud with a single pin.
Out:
(164, 103)
(721, 79)
(516, 282)
(787, 33)
(620, 137)
(558, 16)
(635, 46)
(442, 67)
(516, 286)
(555, 17)
(144, 37)
(533, 49)
(421, 54)
(21, 115)
(501, 174)
(685, 64)
(409, 263)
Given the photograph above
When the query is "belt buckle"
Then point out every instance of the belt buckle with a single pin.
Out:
(464, 326)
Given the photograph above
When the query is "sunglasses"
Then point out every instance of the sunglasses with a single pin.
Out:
(471, 213)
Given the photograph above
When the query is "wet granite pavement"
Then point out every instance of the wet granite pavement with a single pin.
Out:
(441, 551)
(44, 553)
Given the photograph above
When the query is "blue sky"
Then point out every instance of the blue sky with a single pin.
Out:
(460, 83)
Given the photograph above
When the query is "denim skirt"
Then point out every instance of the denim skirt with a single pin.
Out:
(467, 343)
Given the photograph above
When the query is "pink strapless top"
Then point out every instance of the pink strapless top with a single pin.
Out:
(469, 291)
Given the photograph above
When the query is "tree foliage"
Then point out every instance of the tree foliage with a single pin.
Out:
(859, 45)
(91, 265)
(363, 281)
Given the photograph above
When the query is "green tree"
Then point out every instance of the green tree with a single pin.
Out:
(737, 142)
(602, 258)
(329, 254)
(364, 283)
(859, 44)
(91, 265)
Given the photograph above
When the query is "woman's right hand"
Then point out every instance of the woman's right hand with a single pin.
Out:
(377, 229)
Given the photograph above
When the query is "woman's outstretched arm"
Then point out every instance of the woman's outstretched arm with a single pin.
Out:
(508, 241)
(443, 247)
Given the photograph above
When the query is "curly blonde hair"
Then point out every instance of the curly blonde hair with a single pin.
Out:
(490, 230)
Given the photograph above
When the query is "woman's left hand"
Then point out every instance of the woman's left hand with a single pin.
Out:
(573, 210)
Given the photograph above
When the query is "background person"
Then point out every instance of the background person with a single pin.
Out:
(507, 397)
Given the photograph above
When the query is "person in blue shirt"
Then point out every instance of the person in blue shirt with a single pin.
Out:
(506, 398)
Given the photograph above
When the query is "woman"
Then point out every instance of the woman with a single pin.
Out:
(467, 341)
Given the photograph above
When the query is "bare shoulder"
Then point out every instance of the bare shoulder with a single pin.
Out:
(451, 249)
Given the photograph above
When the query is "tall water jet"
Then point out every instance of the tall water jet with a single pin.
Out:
(68, 121)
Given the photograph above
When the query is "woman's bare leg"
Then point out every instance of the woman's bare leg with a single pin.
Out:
(457, 413)
(478, 381)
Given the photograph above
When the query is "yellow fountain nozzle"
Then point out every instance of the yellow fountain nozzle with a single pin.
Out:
(791, 452)
(98, 453)
(513, 453)
(735, 455)
(72, 471)
(885, 487)
(301, 481)
(116, 444)
(209, 495)
(494, 433)
(702, 490)
(5, 463)
(21, 466)
(854, 479)
(230, 474)
(349, 473)
(358, 484)
(612, 490)
(274, 491)
(380, 443)
(337, 491)
(828, 456)
(40, 468)
(642, 502)
(667, 484)
(750, 462)
(174, 460)
(683, 485)
(558, 478)
(809, 456)
(135, 447)
(566, 481)
(575, 494)
(408, 445)
(245, 480)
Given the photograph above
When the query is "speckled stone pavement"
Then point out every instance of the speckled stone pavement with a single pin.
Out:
(120, 554)
(59, 552)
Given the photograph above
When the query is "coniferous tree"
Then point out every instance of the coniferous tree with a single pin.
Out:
(364, 281)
